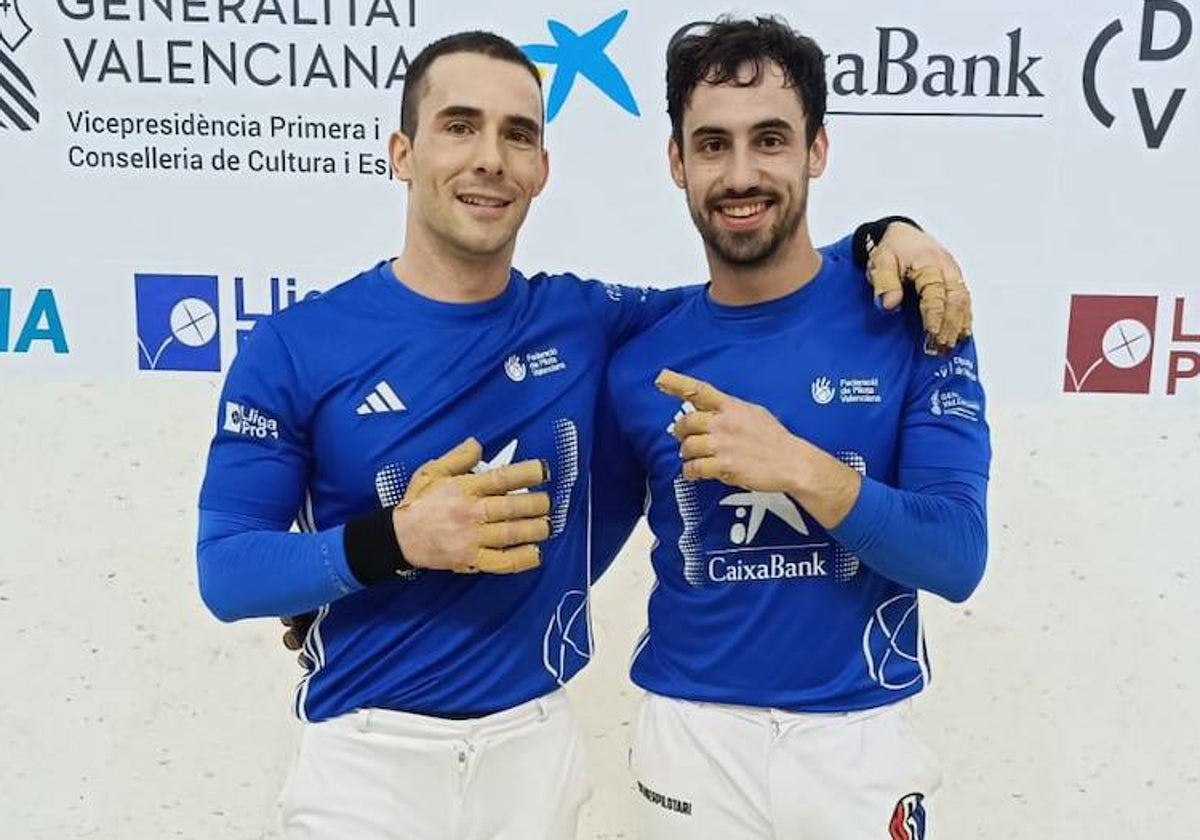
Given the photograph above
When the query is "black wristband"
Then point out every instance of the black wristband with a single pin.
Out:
(868, 235)
(372, 550)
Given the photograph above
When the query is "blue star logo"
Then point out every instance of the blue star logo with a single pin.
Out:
(583, 55)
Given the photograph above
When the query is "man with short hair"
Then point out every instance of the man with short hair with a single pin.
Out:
(401, 413)
(810, 467)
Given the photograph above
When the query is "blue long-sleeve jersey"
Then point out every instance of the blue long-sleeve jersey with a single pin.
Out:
(330, 407)
(756, 603)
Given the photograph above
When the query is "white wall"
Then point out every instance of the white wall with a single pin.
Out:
(1064, 691)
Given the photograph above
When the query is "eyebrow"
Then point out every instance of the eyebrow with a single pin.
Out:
(471, 113)
(777, 123)
(530, 125)
(459, 111)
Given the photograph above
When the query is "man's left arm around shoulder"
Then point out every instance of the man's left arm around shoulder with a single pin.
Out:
(894, 252)
(928, 533)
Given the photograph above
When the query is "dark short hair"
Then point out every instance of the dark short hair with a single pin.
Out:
(475, 41)
(712, 52)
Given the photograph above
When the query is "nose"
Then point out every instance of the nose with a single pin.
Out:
(489, 159)
(741, 174)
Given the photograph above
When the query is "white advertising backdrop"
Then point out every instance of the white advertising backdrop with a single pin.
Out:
(1060, 171)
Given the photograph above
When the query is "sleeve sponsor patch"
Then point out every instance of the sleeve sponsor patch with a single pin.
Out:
(249, 422)
(949, 402)
(958, 366)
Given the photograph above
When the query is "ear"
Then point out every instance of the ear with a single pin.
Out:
(675, 157)
(818, 153)
(545, 176)
(400, 154)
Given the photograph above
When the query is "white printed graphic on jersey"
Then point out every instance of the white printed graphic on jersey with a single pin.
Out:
(537, 362)
(381, 400)
(858, 390)
(845, 564)
(688, 504)
(893, 642)
(758, 505)
(790, 552)
(686, 408)
(822, 391)
(946, 401)
(515, 369)
(958, 366)
(564, 473)
(249, 421)
(390, 484)
(392, 481)
(503, 458)
(565, 645)
(314, 652)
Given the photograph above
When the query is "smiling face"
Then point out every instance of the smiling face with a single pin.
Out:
(477, 159)
(745, 165)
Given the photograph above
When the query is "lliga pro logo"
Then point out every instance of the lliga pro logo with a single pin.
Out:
(1110, 344)
(177, 322)
(17, 108)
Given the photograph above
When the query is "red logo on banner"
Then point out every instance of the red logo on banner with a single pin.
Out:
(1110, 344)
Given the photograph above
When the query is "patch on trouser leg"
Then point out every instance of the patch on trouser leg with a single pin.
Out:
(670, 803)
(908, 818)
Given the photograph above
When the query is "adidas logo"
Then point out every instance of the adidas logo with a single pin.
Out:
(381, 400)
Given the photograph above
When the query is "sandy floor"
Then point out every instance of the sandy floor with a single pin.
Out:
(1064, 702)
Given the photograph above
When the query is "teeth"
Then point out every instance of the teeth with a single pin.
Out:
(742, 211)
(479, 201)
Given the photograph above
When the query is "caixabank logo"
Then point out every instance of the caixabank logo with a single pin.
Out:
(905, 73)
(572, 55)
(179, 323)
(18, 101)
(1162, 37)
(1112, 346)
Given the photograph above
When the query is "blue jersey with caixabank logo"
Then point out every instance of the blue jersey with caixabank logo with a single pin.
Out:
(755, 603)
(330, 407)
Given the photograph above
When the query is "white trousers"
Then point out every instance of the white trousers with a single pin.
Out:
(520, 774)
(711, 772)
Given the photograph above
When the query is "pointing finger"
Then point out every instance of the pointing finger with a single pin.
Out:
(696, 391)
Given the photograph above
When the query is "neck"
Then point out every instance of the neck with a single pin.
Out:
(447, 275)
(793, 266)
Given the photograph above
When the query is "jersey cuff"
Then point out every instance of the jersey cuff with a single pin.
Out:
(866, 518)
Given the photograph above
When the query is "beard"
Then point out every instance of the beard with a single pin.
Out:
(752, 248)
